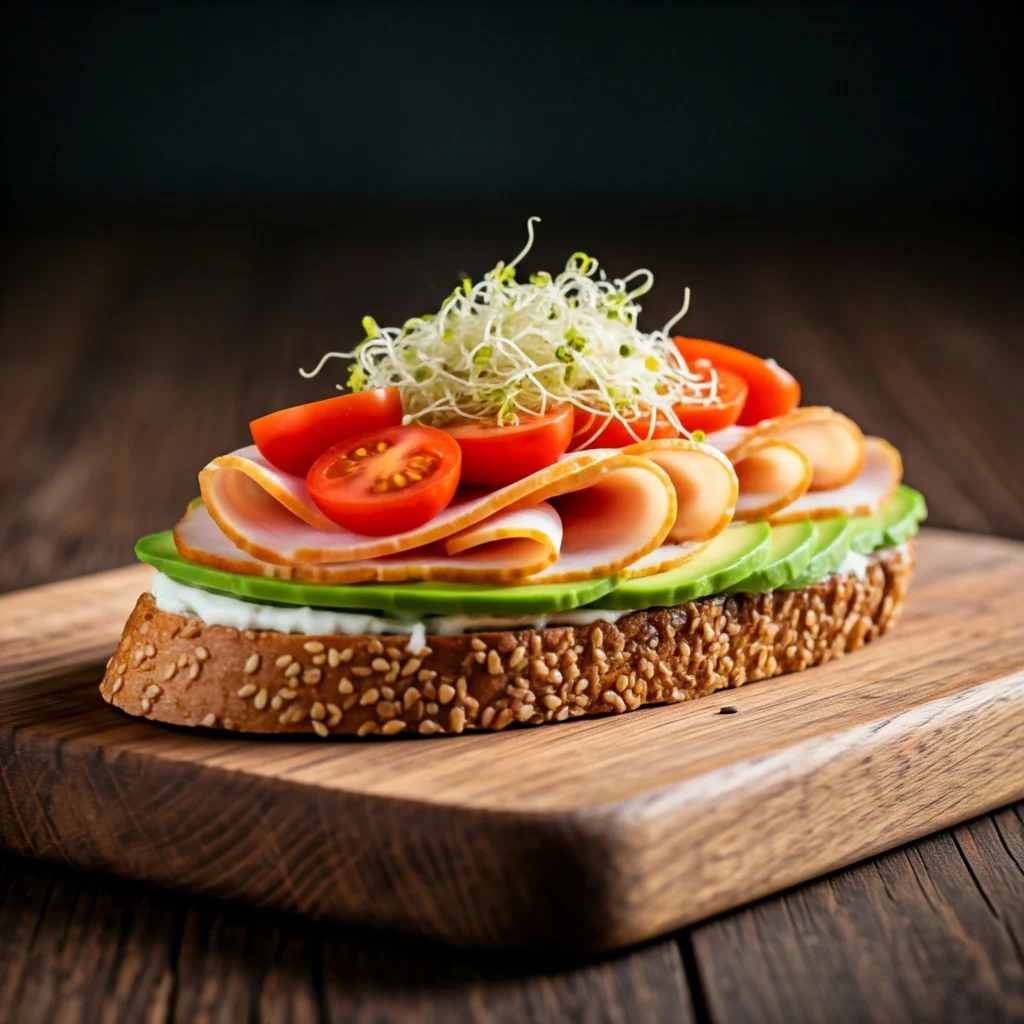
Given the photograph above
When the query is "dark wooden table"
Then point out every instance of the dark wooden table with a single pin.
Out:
(129, 357)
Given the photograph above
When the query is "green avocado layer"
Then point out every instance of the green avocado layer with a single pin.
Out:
(734, 554)
(832, 545)
(892, 524)
(748, 558)
(789, 553)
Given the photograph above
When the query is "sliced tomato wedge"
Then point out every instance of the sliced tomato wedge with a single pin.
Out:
(612, 433)
(293, 439)
(726, 409)
(499, 455)
(772, 391)
(386, 481)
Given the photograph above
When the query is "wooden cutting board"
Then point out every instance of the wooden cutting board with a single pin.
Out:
(588, 835)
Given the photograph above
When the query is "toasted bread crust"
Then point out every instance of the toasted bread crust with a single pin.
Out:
(171, 669)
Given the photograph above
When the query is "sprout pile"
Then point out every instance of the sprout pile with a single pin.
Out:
(501, 350)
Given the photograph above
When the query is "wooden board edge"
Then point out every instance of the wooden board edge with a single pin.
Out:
(592, 881)
(471, 878)
(900, 777)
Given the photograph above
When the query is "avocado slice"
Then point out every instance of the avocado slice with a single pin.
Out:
(733, 555)
(869, 533)
(834, 539)
(434, 598)
(896, 520)
(903, 513)
(790, 551)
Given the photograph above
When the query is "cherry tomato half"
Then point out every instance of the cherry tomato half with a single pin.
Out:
(729, 402)
(293, 439)
(386, 481)
(772, 391)
(497, 456)
(616, 434)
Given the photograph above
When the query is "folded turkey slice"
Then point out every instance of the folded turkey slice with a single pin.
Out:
(879, 476)
(591, 514)
(778, 460)
(707, 490)
(504, 548)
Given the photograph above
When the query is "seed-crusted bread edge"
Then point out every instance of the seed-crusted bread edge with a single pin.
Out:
(168, 668)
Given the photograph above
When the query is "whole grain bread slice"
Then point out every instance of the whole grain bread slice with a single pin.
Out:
(171, 669)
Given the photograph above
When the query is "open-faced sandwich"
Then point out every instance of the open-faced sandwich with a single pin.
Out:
(525, 510)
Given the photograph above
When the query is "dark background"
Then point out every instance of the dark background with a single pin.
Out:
(611, 109)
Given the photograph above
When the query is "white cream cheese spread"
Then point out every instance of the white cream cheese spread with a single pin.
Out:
(222, 610)
(853, 565)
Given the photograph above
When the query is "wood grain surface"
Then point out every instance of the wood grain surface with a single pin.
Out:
(129, 357)
(955, 898)
(85, 949)
(584, 836)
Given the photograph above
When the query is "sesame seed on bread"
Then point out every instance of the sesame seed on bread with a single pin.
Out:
(172, 669)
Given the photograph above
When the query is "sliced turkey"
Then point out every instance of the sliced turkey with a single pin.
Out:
(506, 548)
(593, 513)
(879, 476)
(813, 449)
